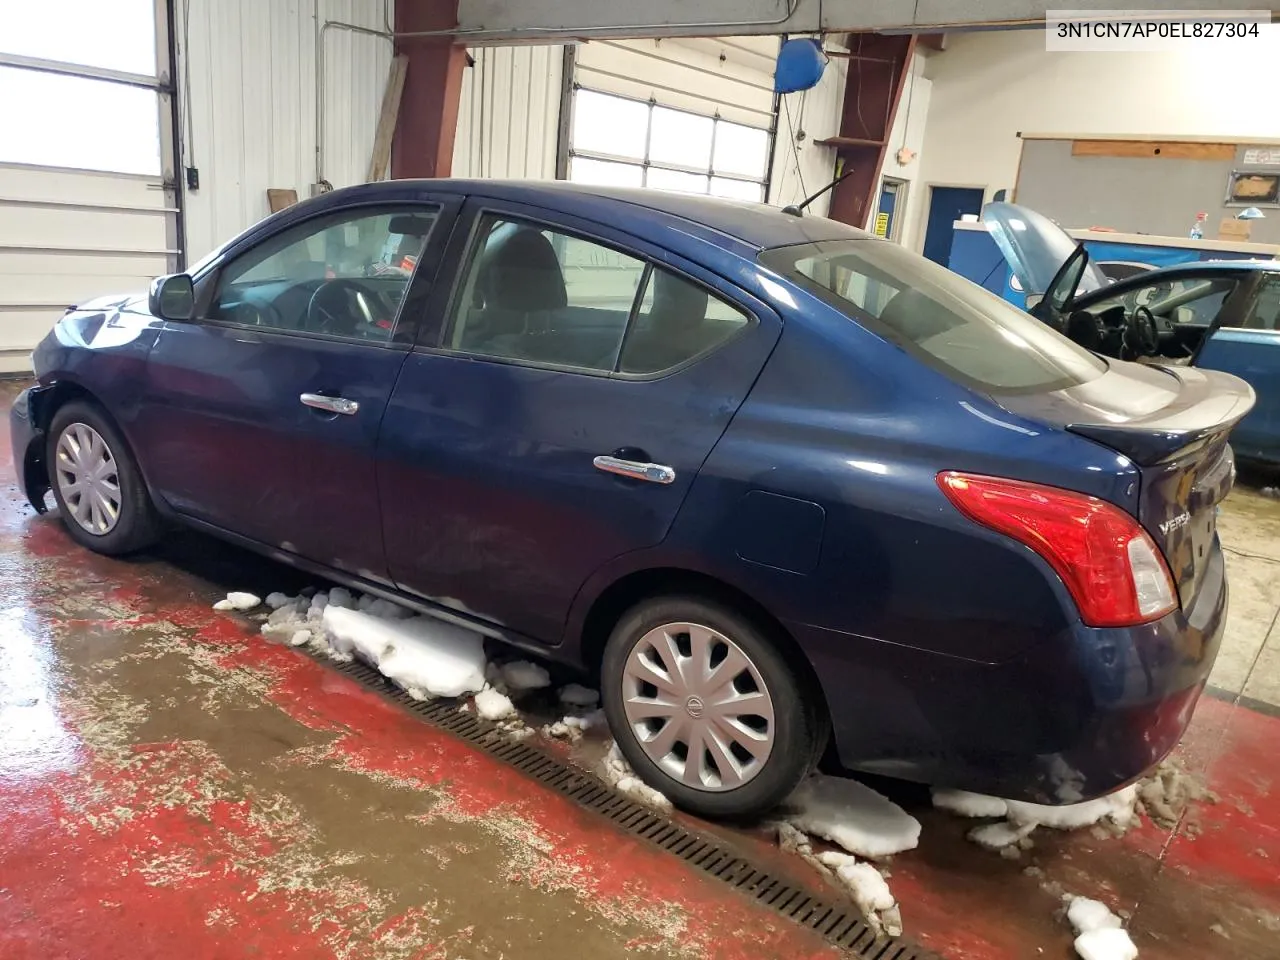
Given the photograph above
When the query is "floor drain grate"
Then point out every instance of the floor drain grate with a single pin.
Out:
(839, 923)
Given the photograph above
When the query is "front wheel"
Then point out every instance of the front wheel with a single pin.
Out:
(100, 492)
(705, 708)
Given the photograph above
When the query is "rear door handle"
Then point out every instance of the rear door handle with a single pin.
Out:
(652, 472)
(348, 408)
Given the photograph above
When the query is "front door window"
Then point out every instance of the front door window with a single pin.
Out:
(343, 275)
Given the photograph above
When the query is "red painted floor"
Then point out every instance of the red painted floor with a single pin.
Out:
(172, 785)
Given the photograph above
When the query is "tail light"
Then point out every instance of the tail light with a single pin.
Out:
(1112, 568)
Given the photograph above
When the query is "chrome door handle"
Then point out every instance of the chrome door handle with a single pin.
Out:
(348, 408)
(653, 472)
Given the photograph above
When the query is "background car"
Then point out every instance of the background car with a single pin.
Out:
(772, 479)
(1217, 315)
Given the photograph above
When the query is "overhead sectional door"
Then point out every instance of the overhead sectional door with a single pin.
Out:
(87, 205)
(694, 115)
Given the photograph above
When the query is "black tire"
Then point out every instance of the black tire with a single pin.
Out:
(799, 727)
(137, 525)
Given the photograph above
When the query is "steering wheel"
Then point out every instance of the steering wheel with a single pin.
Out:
(330, 308)
(1142, 337)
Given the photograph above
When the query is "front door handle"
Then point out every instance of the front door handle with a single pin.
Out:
(348, 408)
(652, 472)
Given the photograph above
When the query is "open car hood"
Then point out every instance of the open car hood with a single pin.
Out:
(1036, 248)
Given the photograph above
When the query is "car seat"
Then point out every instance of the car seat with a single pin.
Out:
(673, 329)
(518, 286)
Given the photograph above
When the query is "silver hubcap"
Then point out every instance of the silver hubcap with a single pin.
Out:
(87, 479)
(698, 706)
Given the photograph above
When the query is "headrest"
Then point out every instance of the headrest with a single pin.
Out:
(677, 301)
(520, 271)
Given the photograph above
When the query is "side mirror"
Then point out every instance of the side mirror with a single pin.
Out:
(172, 297)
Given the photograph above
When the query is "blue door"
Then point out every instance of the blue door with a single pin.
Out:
(1251, 351)
(261, 417)
(559, 415)
(946, 206)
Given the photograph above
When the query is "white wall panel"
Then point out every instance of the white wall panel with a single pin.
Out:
(509, 115)
(800, 166)
(251, 97)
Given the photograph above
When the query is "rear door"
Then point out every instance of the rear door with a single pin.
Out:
(559, 415)
(261, 417)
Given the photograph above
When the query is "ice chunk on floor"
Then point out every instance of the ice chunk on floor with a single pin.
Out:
(275, 600)
(523, 675)
(300, 638)
(868, 889)
(1086, 915)
(1110, 944)
(997, 836)
(1165, 794)
(428, 657)
(572, 728)
(968, 804)
(576, 695)
(1101, 936)
(853, 816)
(341, 597)
(238, 601)
(1118, 807)
(617, 772)
(493, 705)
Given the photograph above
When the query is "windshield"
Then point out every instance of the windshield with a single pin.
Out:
(938, 316)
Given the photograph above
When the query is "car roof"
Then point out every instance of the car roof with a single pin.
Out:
(757, 225)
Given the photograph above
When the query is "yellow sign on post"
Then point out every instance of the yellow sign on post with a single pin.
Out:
(882, 225)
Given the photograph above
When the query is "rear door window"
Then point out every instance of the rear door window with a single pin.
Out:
(943, 319)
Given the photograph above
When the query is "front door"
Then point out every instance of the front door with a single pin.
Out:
(1247, 343)
(262, 416)
(572, 395)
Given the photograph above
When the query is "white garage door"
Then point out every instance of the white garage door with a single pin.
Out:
(678, 114)
(87, 205)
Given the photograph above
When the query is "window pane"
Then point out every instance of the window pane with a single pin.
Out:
(678, 321)
(544, 297)
(937, 315)
(612, 125)
(737, 189)
(681, 139)
(115, 34)
(604, 174)
(342, 277)
(1266, 309)
(60, 121)
(741, 150)
(659, 179)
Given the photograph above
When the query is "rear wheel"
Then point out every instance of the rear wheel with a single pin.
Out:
(705, 708)
(101, 496)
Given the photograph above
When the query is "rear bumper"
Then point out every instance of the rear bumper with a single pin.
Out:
(27, 441)
(1081, 715)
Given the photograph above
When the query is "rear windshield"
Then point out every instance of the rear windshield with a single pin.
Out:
(945, 320)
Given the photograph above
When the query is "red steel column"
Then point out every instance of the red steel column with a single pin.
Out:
(877, 67)
(423, 145)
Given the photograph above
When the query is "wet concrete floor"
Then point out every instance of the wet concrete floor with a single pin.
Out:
(172, 785)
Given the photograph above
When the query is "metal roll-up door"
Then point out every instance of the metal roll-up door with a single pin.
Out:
(88, 204)
(692, 115)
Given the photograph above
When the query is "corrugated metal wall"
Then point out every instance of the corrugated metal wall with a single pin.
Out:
(509, 117)
(250, 78)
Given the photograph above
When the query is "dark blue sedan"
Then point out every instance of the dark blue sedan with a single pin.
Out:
(778, 483)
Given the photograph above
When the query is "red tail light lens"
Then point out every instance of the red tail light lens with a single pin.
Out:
(1112, 568)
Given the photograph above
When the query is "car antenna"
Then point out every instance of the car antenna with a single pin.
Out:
(797, 210)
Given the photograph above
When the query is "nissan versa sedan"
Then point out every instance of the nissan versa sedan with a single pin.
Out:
(790, 491)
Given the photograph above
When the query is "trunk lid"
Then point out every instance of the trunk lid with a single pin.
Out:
(1173, 423)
